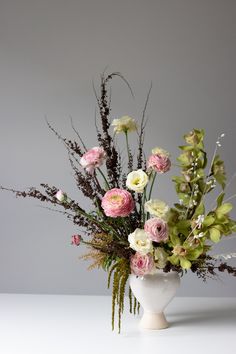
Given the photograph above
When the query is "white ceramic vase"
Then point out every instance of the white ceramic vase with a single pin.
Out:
(154, 292)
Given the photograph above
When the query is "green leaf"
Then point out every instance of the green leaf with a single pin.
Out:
(214, 234)
(209, 220)
(218, 170)
(200, 210)
(185, 198)
(174, 259)
(183, 227)
(224, 209)
(184, 159)
(178, 179)
(186, 147)
(183, 224)
(175, 239)
(179, 206)
(221, 180)
(185, 264)
(194, 254)
(220, 199)
(200, 173)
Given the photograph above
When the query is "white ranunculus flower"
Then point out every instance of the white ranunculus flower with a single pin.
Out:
(124, 124)
(140, 242)
(157, 208)
(137, 181)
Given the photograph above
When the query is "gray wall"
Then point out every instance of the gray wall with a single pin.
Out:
(50, 52)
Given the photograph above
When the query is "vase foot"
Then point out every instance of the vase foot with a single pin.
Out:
(153, 321)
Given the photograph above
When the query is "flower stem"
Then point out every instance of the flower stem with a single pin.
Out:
(104, 177)
(128, 149)
(144, 199)
(152, 184)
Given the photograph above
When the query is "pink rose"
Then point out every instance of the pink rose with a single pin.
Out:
(157, 229)
(92, 159)
(141, 264)
(159, 163)
(117, 202)
(75, 240)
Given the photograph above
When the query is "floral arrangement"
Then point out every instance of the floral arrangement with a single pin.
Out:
(128, 230)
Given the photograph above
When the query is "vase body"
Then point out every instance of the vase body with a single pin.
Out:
(154, 292)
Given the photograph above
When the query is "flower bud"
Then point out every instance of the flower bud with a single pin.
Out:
(75, 240)
(61, 196)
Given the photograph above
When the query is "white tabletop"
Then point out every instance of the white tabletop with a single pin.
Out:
(62, 324)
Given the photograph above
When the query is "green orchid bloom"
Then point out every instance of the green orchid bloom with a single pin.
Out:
(184, 253)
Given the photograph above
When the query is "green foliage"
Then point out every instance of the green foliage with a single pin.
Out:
(223, 209)
(208, 220)
(200, 209)
(107, 262)
(218, 171)
(214, 234)
(220, 199)
(120, 271)
(189, 238)
(185, 263)
(195, 138)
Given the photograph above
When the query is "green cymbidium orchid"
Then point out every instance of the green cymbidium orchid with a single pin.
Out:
(185, 252)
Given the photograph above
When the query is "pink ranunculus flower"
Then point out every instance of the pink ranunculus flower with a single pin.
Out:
(157, 229)
(141, 264)
(75, 240)
(117, 202)
(92, 159)
(159, 163)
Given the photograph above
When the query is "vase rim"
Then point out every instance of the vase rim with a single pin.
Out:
(157, 272)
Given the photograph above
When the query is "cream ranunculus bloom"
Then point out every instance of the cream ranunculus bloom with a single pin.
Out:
(157, 208)
(140, 242)
(160, 151)
(124, 124)
(137, 181)
(160, 257)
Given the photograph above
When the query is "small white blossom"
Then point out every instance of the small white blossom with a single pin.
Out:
(225, 256)
(200, 220)
(201, 234)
